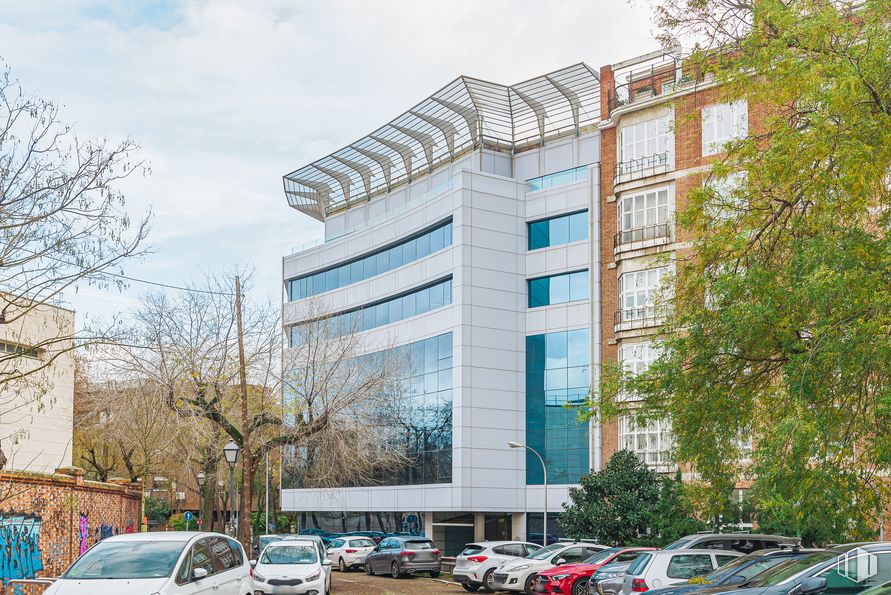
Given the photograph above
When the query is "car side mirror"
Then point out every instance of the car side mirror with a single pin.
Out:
(811, 585)
(736, 579)
(330, 550)
(561, 562)
(199, 573)
(252, 563)
(326, 562)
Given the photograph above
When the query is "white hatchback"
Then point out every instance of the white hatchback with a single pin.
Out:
(656, 570)
(350, 551)
(476, 564)
(291, 568)
(169, 563)
(517, 575)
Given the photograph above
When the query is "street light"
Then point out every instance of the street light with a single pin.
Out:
(200, 478)
(230, 451)
(544, 538)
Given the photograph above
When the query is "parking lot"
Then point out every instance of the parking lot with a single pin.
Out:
(359, 583)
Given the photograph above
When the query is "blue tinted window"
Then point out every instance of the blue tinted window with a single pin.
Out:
(393, 310)
(555, 361)
(558, 289)
(557, 230)
(371, 265)
(560, 178)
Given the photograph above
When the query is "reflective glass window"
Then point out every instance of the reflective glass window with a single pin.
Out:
(373, 264)
(558, 289)
(557, 230)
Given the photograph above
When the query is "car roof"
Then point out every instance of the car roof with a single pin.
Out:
(697, 551)
(740, 536)
(183, 536)
(496, 543)
(351, 536)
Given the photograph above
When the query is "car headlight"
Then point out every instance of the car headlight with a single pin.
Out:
(519, 568)
(259, 577)
(560, 577)
(313, 577)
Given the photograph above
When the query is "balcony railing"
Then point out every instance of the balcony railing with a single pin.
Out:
(635, 318)
(560, 178)
(640, 234)
(640, 167)
(658, 79)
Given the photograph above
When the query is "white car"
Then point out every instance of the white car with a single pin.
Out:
(291, 567)
(476, 564)
(518, 575)
(656, 570)
(350, 552)
(169, 563)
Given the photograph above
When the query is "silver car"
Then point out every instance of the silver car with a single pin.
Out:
(609, 579)
(656, 570)
(476, 564)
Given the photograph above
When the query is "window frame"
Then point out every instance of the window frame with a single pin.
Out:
(737, 125)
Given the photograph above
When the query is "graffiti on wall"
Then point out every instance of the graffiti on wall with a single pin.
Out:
(20, 554)
(89, 538)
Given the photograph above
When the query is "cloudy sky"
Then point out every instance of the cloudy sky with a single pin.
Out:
(226, 96)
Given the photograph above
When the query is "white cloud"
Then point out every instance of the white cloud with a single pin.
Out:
(226, 96)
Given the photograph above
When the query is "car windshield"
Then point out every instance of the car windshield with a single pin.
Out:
(264, 541)
(753, 566)
(364, 542)
(680, 544)
(289, 554)
(545, 552)
(791, 568)
(127, 560)
(603, 556)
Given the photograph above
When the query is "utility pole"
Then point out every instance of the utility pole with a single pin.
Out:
(246, 462)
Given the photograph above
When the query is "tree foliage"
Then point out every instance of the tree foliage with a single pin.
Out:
(628, 503)
(780, 326)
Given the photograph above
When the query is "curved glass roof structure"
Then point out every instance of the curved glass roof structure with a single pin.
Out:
(466, 114)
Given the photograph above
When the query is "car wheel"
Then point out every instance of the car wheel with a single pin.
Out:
(394, 570)
(368, 569)
(341, 566)
(528, 586)
(470, 588)
(434, 574)
(489, 581)
(580, 587)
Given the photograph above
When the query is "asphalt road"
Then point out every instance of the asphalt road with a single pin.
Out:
(358, 583)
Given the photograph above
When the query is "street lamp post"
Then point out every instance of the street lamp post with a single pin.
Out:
(231, 451)
(544, 538)
(201, 479)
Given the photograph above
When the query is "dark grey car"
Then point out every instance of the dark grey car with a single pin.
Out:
(608, 579)
(404, 555)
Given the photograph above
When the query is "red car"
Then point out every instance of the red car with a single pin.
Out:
(572, 579)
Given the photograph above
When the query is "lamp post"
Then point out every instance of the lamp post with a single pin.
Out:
(231, 451)
(200, 478)
(544, 538)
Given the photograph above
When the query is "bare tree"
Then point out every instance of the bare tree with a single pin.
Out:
(62, 224)
(187, 344)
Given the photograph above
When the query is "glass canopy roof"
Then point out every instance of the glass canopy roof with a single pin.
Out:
(466, 114)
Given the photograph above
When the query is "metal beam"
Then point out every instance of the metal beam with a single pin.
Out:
(426, 141)
(539, 110)
(381, 159)
(447, 128)
(571, 96)
(342, 178)
(469, 114)
(405, 151)
(360, 168)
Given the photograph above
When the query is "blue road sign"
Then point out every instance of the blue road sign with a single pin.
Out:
(188, 516)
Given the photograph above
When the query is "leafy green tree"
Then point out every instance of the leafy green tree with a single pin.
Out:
(628, 503)
(781, 310)
(157, 510)
(177, 522)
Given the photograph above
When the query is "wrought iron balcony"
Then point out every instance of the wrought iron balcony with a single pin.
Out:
(641, 167)
(660, 231)
(636, 318)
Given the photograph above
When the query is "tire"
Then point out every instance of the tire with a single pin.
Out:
(341, 566)
(580, 587)
(368, 570)
(470, 588)
(394, 570)
(488, 581)
(527, 587)
(434, 574)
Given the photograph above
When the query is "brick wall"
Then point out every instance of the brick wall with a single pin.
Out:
(47, 521)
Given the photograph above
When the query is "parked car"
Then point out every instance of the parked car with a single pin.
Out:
(404, 555)
(518, 575)
(738, 542)
(851, 569)
(609, 579)
(476, 564)
(319, 544)
(572, 579)
(654, 570)
(293, 567)
(736, 573)
(376, 536)
(350, 551)
(168, 563)
(261, 542)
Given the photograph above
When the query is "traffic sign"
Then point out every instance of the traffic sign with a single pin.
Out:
(188, 516)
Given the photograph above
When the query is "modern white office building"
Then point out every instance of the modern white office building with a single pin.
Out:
(462, 231)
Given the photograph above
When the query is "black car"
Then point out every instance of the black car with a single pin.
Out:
(737, 542)
(404, 555)
(843, 570)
